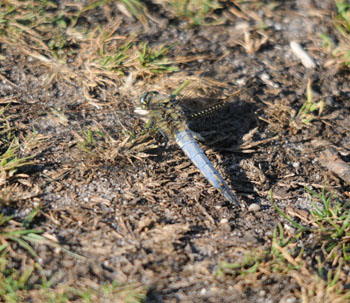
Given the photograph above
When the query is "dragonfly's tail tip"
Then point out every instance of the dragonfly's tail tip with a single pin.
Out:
(230, 197)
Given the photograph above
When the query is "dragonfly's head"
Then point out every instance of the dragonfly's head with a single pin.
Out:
(146, 99)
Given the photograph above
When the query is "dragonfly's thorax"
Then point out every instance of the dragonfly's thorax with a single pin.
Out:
(165, 112)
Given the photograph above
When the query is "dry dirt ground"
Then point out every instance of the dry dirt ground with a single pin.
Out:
(150, 219)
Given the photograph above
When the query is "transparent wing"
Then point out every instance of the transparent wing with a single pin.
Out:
(203, 96)
(197, 95)
(201, 106)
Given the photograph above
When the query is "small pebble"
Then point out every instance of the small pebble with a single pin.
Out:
(254, 207)
(304, 57)
(296, 164)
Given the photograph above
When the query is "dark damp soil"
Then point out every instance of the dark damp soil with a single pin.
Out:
(137, 215)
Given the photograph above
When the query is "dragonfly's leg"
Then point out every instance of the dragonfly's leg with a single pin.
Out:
(140, 137)
(149, 125)
(166, 139)
(145, 129)
(197, 136)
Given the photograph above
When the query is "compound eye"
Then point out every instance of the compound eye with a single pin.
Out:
(146, 98)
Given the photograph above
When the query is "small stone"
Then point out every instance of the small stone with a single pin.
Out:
(296, 164)
(304, 57)
(254, 207)
(262, 293)
(223, 221)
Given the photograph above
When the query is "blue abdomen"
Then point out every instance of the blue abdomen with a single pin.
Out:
(192, 150)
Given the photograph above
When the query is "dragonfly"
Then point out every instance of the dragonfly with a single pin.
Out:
(167, 113)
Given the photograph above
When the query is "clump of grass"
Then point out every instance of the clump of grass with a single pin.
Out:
(88, 141)
(196, 12)
(114, 61)
(323, 239)
(306, 112)
(248, 266)
(14, 281)
(112, 292)
(332, 223)
(340, 50)
(343, 15)
(137, 9)
(98, 144)
(6, 132)
(116, 56)
(155, 60)
(17, 153)
(10, 161)
(22, 236)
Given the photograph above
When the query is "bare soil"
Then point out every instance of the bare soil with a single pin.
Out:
(153, 219)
